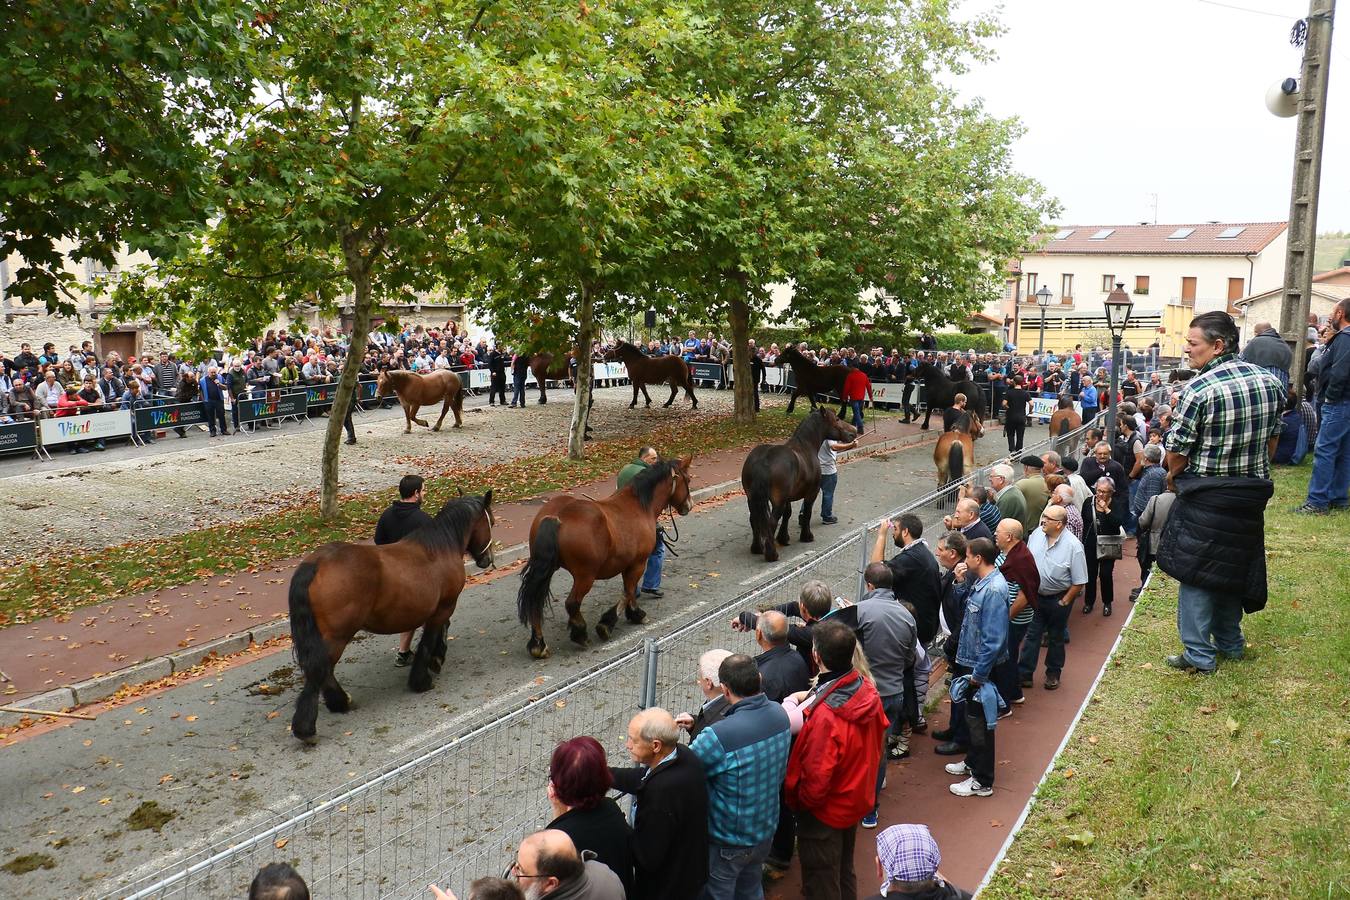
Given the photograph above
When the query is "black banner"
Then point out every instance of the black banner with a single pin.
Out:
(19, 436)
(706, 371)
(273, 406)
(174, 415)
(321, 394)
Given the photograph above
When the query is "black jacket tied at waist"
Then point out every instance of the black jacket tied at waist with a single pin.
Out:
(1215, 538)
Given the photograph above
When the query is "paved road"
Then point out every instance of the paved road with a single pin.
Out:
(218, 755)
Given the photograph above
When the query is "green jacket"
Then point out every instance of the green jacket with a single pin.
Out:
(1013, 504)
(629, 472)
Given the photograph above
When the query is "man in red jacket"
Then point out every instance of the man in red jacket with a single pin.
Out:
(831, 776)
(857, 388)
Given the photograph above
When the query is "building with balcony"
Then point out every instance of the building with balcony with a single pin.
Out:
(1173, 272)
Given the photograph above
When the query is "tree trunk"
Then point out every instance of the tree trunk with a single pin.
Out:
(581, 405)
(743, 386)
(346, 391)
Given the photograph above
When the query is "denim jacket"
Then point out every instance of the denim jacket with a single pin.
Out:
(984, 630)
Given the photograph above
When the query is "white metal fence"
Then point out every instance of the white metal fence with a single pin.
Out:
(454, 811)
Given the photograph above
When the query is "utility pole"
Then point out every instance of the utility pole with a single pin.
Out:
(1302, 234)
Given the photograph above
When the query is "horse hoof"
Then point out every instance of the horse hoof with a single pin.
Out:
(603, 631)
(771, 557)
(539, 652)
(578, 635)
(636, 615)
(807, 537)
(923, 427)
(435, 665)
(311, 741)
(437, 428)
(756, 549)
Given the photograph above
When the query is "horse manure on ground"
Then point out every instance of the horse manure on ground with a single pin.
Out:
(150, 815)
(22, 865)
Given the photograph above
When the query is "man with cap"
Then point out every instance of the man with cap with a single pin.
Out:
(907, 864)
(1032, 488)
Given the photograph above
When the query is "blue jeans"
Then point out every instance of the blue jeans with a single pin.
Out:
(894, 707)
(1053, 618)
(1203, 613)
(1331, 457)
(736, 873)
(857, 414)
(518, 392)
(827, 485)
(651, 576)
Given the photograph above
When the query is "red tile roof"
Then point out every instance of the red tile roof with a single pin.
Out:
(1154, 240)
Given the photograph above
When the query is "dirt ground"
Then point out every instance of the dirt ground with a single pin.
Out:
(97, 500)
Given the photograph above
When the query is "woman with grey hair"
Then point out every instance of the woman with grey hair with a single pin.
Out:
(1109, 515)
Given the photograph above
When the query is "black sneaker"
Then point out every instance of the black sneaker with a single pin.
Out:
(1307, 509)
(403, 659)
(654, 592)
(829, 520)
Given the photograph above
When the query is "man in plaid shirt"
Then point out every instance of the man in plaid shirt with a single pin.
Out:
(745, 758)
(1226, 425)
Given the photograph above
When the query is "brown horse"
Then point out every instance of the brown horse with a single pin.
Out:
(594, 540)
(541, 364)
(811, 378)
(644, 370)
(1064, 421)
(954, 452)
(415, 391)
(774, 475)
(344, 588)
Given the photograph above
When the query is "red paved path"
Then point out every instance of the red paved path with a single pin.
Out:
(970, 831)
(61, 651)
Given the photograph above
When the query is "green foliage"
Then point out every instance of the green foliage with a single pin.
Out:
(110, 110)
(875, 337)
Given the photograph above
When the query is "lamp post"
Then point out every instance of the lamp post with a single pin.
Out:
(1043, 298)
(1118, 307)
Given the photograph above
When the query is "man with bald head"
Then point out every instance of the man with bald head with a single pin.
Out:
(548, 865)
(967, 520)
(1269, 351)
(670, 826)
(783, 671)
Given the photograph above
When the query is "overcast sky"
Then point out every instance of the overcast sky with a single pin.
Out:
(1124, 99)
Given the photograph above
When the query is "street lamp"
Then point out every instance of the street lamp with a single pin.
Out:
(1043, 298)
(1118, 307)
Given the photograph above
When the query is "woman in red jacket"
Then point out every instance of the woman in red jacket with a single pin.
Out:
(69, 404)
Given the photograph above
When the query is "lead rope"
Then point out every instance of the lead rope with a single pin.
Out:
(664, 535)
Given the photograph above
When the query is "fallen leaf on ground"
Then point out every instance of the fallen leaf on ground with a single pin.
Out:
(281, 843)
(1232, 726)
(1081, 838)
(78, 790)
(191, 718)
(273, 714)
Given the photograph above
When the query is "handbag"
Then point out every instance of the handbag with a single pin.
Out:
(1110, 546)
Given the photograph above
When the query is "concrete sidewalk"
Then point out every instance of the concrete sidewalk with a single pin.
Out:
(89, 655)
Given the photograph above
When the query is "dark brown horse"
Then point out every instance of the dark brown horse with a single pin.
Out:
(1064, 421)
(343, 588)
(774, 475)
(594, 540)
(811, 378)
(939, 392)
(541, 364)
(415, 391)
(954, 452)
(644, 370)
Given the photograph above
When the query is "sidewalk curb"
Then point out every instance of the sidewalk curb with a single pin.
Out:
(104, 686)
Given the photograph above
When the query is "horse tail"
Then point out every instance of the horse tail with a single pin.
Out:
(545, 559)
(757, 482)
(457, 399)
(956, 460)
(311, 650)
(1064, 427)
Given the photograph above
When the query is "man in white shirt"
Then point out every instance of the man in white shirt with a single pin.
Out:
(1062, 565)
(829, 476)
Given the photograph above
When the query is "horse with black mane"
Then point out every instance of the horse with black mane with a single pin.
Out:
(811, 378)
(644, 370)
(415, 391)
(940, 392)
(774, 475)
(598, 539)
(954, 451)
(541, 364)
(343, 588)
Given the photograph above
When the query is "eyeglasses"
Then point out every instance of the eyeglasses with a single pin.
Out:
(515, 873)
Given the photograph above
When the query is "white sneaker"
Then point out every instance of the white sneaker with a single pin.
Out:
(960, 769)
(971, 788)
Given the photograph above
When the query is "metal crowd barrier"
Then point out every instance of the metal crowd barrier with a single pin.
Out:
(455, 809)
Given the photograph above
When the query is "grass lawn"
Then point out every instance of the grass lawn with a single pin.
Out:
(1233, 785)
(45, 587)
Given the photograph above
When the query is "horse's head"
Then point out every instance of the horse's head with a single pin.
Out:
(383, 384)
(836, 429)
(680, 492)
(789, 355)
(976, 426)
(615, 353)
(479, 543)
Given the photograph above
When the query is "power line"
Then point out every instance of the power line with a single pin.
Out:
(1248, 9)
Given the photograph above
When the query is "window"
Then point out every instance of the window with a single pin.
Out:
(1188, 290)
(1141, 284)
(1101, 235)
(1063, 233)
(1066, 289)
(1009, 287)
(1108, 283)
(1229, 233)
(1181, 234)
(1031, 287)
(1236, 288)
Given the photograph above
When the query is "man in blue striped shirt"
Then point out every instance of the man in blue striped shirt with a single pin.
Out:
(745, 759)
